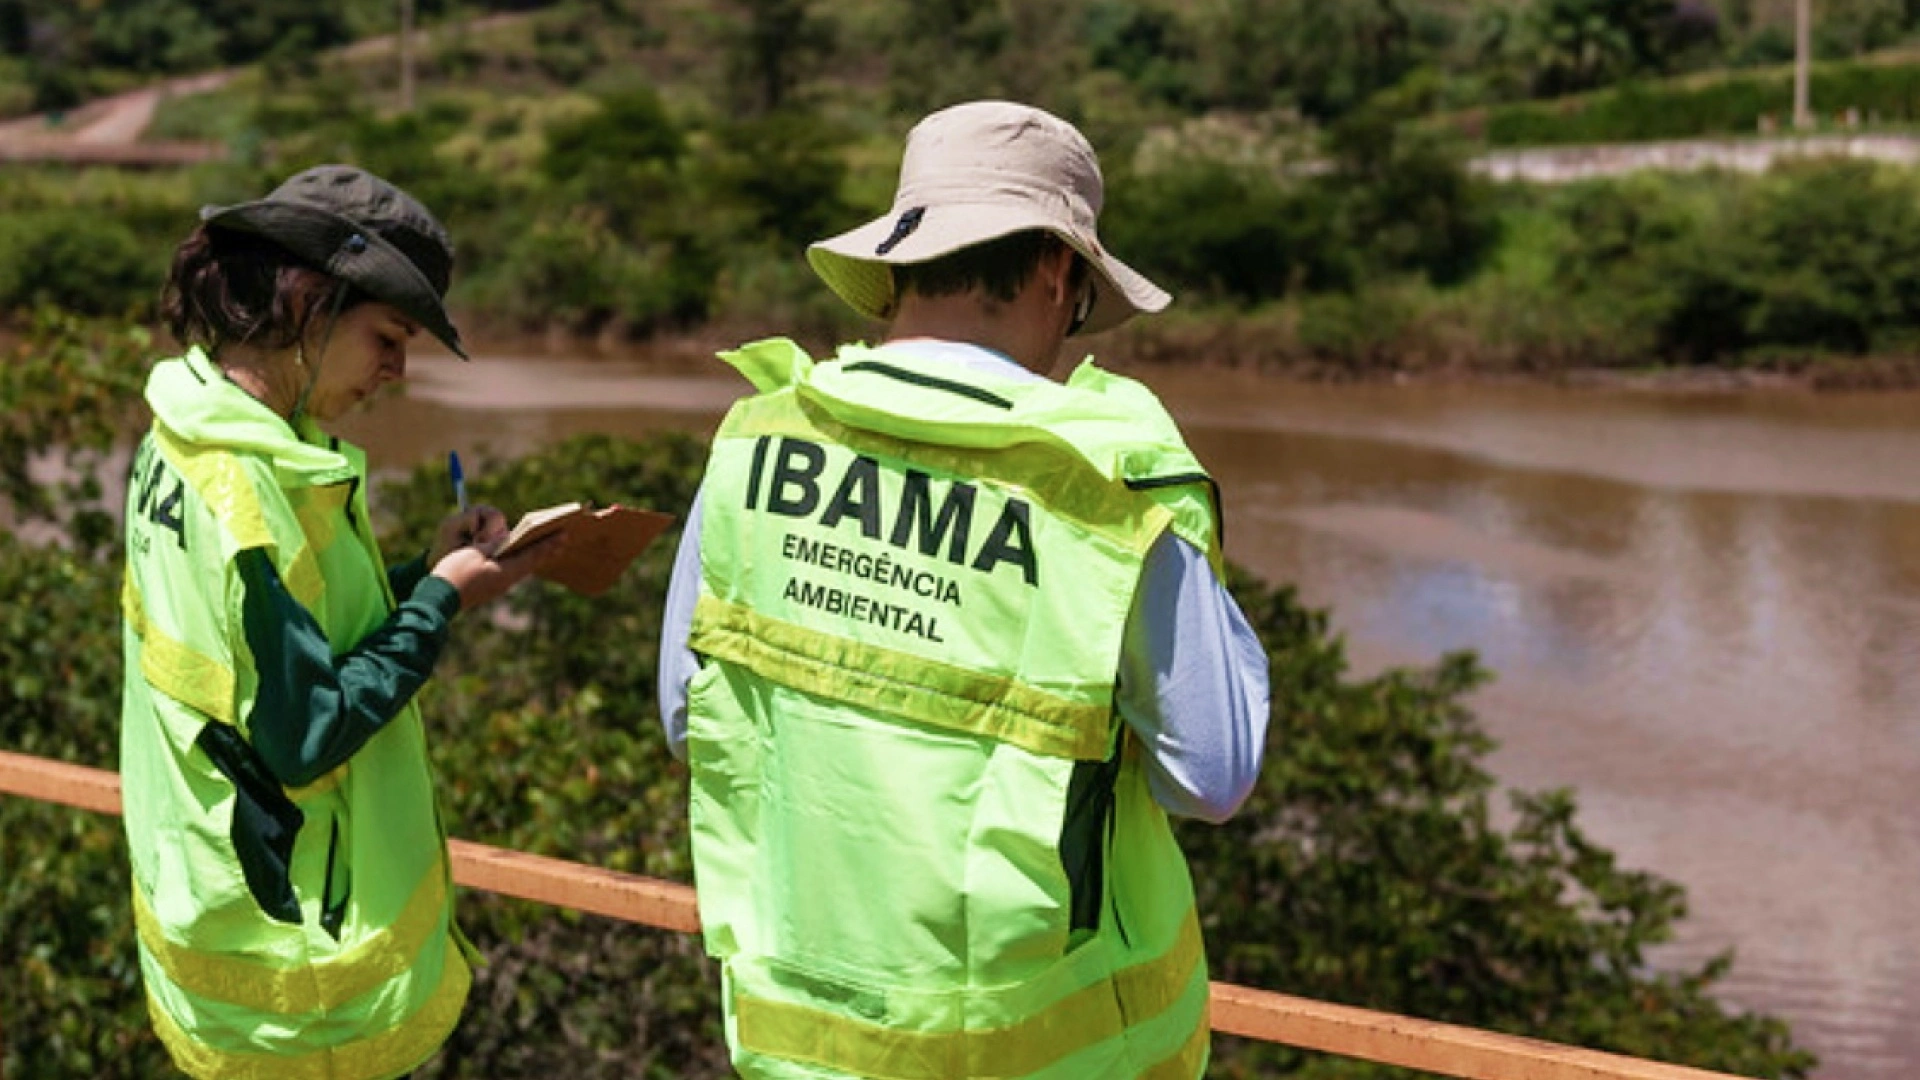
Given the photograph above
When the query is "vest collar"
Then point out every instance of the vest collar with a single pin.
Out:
(1113, 421)
(195, 400)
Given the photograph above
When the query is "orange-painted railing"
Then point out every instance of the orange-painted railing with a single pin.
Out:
(1447, 1049)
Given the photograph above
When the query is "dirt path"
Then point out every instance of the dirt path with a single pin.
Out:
(108, 130)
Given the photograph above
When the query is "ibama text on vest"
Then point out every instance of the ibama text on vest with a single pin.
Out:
(799, 477)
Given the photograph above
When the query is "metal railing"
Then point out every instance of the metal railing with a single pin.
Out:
(1447, 1049)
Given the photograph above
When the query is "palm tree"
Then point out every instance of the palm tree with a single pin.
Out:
(1581, 44)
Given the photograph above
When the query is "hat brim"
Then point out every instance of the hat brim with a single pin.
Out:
(856, 268)
(321, 238)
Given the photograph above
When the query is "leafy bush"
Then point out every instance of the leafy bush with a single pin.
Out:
(1227, 231)
(1729, 105)
(68, 391)
(1355, 331)
(1818, 257)
(622, 156)
(781, 174)
(81, 262)
(1148, 45)
(574, 272)
(1387, 201)
(1841, 250)
(1405, 201)
(72, 1000)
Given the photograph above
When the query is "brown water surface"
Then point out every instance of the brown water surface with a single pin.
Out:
(1703, 609)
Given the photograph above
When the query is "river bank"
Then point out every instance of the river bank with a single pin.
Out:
(1195, 345)
(1259, 349)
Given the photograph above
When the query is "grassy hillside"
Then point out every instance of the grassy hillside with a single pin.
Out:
(619, 172)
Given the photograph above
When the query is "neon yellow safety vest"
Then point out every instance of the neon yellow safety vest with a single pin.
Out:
(331, 954)
(924, 842)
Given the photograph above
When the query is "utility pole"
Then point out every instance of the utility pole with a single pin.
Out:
(406, 55)
(1802, 47)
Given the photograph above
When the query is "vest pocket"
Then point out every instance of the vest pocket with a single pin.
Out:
(1085, 835)
(265, 822)
(333, 898)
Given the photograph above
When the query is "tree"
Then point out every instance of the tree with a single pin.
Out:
(770, 46)
(782, 172)
(939, 52)
(150, 36)
(1582, 44)
(1405, 201)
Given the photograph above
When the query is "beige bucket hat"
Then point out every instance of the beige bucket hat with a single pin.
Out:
(977, 172)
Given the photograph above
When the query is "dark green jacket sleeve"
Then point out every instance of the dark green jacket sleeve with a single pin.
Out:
(404, 577)
(313, 710)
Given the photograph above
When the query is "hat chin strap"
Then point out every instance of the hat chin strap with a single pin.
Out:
(300, 353)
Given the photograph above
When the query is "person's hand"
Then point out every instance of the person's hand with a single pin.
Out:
(481, 578)
(483, 527)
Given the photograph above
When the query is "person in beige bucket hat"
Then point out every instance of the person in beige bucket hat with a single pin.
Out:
(979, 172)
(946, 643)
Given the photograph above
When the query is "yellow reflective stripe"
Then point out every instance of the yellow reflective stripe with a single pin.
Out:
(1188, 1061)
(1084, 1018)
(317, 514)
(195, 679)
(308, 988)
(1148, 989)
(223, 484)
(868, 676)
(401, 1047)
(1091, 501)
(176, 669)
(303, 577)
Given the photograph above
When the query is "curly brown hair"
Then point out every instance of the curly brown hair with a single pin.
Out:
(227, 287)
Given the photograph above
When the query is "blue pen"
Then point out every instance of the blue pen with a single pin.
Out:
(459, 479)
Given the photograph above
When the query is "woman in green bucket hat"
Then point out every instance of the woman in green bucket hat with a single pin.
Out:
(291, 888)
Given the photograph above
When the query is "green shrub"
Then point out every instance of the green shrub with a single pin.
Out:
(629, 140)
(780, 174)
(1822, 256)
(1226, 231)
(573, 272)
(16, 90)
(82, 262)
(771, 290)
(1357, 331)
(1841, 243)
(1405, 202)
(1729, 105)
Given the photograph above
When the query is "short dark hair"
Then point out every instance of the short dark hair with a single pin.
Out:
(1000, 267)
(230, 287)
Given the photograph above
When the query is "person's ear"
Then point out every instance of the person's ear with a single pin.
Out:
(1058, 268)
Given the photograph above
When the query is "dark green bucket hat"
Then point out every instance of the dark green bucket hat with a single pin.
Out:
(362, 229)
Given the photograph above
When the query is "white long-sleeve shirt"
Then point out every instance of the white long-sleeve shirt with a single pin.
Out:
(1192, 682)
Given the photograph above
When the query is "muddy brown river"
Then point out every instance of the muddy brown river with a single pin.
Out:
(1703, 611)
